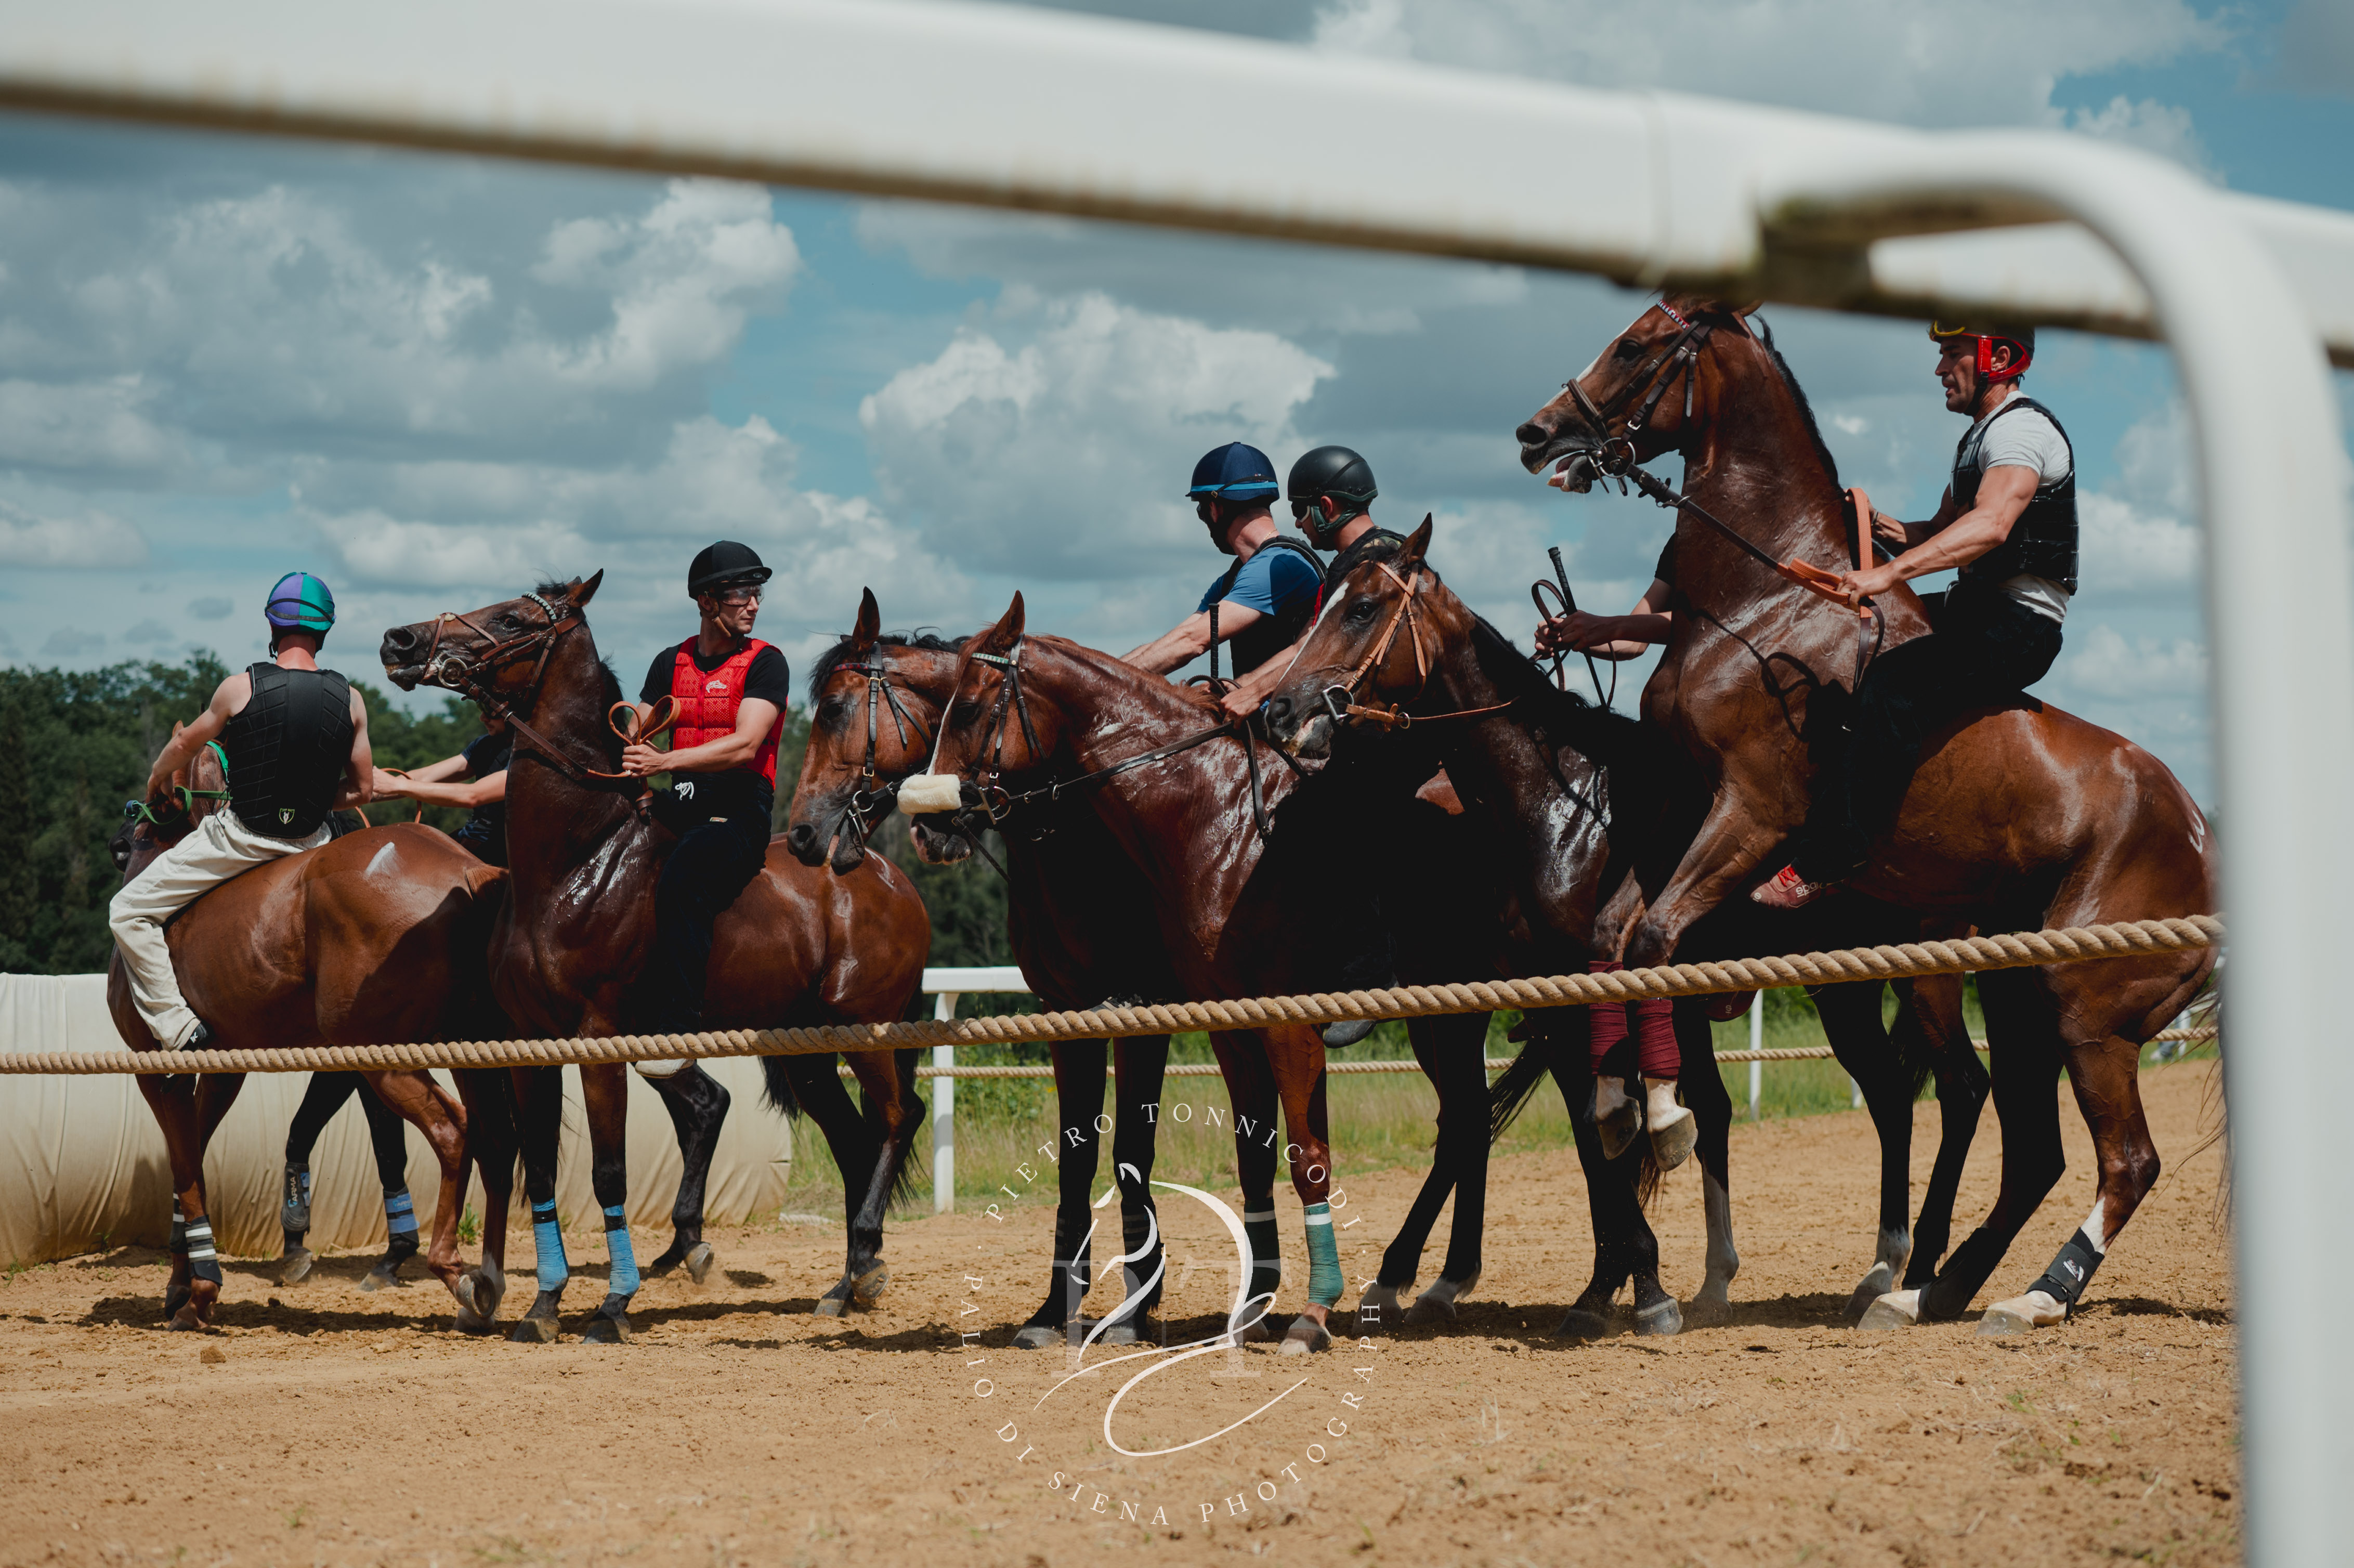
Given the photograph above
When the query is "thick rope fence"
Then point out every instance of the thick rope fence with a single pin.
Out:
(2023, 950)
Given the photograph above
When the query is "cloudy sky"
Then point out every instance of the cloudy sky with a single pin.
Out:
(431, 380)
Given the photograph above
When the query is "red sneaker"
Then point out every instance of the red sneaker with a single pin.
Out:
(1786, 889)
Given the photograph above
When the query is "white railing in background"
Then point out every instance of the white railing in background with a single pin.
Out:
(946, 985)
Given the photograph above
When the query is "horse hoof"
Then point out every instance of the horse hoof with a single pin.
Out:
(383, 1276)
(1577, 1323)
(480, 1295)
(174, 1300)
(1617, 1129)
(1378, 1307)
(1898, 1310)
(184, 1321)
(1672, 1145)
(295, 1267)
(533, 1331)
(1999, 1324)
(1305, 1337)
(831, 1306)
(1032, 1336)
(865, 1288)
(1708, 1311)
(1255, 1332)
(607, 1329)
(1663, 1320)
(699, 1260)
(2022, 1315)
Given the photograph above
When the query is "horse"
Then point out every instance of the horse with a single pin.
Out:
(1579, 794)
(2020, 816)
(1078, 914)
(795, 948)
(374, 938)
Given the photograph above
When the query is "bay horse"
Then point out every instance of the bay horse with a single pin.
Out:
(1578, 795)
(1079, 917)
(795, 947)
(1234, 908)
(2020, 816)
(375, 938)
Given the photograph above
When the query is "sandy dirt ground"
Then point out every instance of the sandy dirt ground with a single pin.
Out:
(322, 1425)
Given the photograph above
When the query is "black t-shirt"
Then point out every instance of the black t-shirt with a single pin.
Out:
(485, 833)
(1665, 570)
(738, 789)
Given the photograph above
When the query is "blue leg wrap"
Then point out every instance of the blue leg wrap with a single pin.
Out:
(624, 1282)
(399, 1213)
(548, 1241)
(1324, 1280)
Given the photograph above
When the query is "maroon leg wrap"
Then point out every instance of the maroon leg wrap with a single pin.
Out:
(1608, 1019)
(1655, 1033)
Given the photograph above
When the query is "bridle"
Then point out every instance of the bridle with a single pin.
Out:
(1340, 699)
(456, 670)
(872, 798)
(1679, 361)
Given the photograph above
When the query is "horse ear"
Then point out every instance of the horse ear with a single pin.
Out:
(1417, 545)
(870, 621)
(1002, 636)
(582, 592)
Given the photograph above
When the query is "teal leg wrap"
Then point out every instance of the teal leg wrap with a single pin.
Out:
(1324, 1280)
(548, 1243)
(624, 1281)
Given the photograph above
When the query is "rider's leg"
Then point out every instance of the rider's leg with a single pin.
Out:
(713, 862)
(216, 849)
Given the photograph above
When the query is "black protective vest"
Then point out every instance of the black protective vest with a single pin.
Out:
(2043, 541)
(288, 749)
(1270, 634)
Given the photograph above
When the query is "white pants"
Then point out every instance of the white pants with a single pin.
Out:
(219, 848)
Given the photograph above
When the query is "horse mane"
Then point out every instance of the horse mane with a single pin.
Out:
(1798, 395)
(833, 658)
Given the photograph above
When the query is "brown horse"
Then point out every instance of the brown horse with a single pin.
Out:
(2020, 816)
(1079, 917)
(1579, 796)
(375, 938)
(797, 947)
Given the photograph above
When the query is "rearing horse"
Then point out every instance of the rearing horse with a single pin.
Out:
(2020, 816)
(795, 947)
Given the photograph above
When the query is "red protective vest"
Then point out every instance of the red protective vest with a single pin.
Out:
(707, 704)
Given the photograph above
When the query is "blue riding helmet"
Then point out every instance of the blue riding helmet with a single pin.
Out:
(1234, 472)
(299, 602)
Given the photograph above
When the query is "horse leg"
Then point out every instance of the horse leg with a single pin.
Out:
(2106, 1077)
(1402, 1259)
(172, 1101)
(893, 1112)
(540, 1117)
(2027, 1108)
(1078, 1100)
(605, 1089)
(489, 1099)
(1454, 1060)
(1296, 1057)
(1138, 1066)
(1712, 1108)
(1850, 1015)
(818, 1086)
(417, 1100)
(697, 1104)
(1930, 1026)
(1251, 1090)
(1625, 1247)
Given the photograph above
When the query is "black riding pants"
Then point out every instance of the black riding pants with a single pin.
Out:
(1986, 648)
(715, 862)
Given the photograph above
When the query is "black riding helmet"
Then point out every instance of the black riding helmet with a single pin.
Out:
(723, 565)
(1335, 471)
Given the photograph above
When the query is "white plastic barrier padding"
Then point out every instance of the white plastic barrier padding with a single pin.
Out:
(82, 1164)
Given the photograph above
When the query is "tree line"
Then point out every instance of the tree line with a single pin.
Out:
(76, 744)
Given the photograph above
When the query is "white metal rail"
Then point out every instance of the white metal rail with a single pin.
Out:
(1094, 117)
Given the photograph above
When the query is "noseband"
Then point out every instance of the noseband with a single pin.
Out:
(872, 798)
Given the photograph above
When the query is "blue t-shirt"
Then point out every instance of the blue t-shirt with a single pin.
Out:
(1271, 582)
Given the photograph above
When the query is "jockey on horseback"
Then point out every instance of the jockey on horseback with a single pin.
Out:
(293, 743)
(1331, 491)
(732, 690)
(1263, 603)
(474, 780)
(2009, 522)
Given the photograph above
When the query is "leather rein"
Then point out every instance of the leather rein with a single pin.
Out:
(1340, 699)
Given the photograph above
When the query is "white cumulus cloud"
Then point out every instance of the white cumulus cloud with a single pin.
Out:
(95, 539)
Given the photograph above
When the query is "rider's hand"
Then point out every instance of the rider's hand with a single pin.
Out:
(1238, 703)
(638, 760)
(1869, 583)
(382, 784)
(1566, 633)
(1891, 531)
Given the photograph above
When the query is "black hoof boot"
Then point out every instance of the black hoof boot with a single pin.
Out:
(610, 1325)
(538, 1326)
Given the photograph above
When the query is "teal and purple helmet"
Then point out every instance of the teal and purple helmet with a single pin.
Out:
(299, 602)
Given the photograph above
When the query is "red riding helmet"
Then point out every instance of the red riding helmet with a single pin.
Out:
(2021, 339)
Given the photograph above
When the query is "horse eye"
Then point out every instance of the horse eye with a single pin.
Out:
(1628, 348)
(1361, 610)
(965, 712)
(831, 710)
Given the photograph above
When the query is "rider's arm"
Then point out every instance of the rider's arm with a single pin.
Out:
(437, 784)
(2003, 495)
(181, 749)
(755, 716)
(1189, 638)
(359, 768)
(1261, 684)
(1613, 637)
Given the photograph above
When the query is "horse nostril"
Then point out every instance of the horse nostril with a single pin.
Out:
(399, 639)
(1279, 712)
(1533, 434)
(799, 837)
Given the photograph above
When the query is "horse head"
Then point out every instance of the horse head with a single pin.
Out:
(1645, 394)
(1383, 625)
(995, 726)
(499, 651)
(874, 706)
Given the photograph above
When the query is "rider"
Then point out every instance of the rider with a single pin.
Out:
(293, 740)
(732, 690)
(2009, 522)
(1331, 491)
(483, 763)
(1263, 603)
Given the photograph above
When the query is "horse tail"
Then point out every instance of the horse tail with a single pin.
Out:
(777, 1088)
(1648, 1174)
(1508, 1094)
